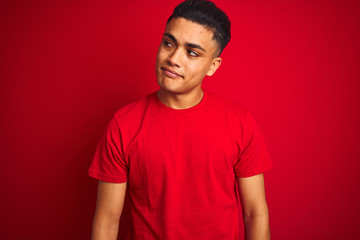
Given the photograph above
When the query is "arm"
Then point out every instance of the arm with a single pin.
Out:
(255, 209)
(110, 202)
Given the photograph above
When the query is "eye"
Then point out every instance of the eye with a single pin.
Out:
(167, 43)
(192, 53)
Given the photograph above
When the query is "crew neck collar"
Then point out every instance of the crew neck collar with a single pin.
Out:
(200, 104)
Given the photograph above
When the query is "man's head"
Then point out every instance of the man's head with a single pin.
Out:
(194, 37)
(206, 13)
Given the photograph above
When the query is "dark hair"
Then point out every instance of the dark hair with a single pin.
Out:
(207, 14)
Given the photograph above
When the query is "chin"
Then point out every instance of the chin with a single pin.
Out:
(171, 89)
(169, 86)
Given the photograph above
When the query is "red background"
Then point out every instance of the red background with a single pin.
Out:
(67, 66)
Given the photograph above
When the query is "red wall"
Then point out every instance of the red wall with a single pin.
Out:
(67, 66)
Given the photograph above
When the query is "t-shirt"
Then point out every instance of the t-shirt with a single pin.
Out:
(181, 165)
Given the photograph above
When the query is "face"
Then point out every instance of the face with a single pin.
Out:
(187, 54)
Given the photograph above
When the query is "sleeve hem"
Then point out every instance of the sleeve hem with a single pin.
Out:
(106, 178)
(254, 172)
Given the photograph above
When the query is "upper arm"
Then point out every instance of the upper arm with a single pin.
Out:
(252, 194)
(110, 200)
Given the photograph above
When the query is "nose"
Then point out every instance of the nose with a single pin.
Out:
(174, 58)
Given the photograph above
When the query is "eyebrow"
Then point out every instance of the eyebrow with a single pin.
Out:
(191, 45)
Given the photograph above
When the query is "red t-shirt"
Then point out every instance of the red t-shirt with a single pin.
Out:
(181, 165)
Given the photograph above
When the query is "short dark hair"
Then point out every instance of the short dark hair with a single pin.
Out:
(205, 13)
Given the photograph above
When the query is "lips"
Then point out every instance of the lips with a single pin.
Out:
(170, 73)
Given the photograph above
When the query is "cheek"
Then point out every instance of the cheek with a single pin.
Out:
(192, 69)
(198, 69)
(160, 51)
(161, 56)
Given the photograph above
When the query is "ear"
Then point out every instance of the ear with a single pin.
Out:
(215, 64)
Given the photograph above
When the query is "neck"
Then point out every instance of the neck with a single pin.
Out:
(180, 101)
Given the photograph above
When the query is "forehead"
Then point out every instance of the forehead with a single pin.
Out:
(186, 31)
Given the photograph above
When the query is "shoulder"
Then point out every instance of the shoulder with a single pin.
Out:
(134, 111)
(235, 114)
(226, 106)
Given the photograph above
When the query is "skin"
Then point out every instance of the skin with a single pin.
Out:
(254, 206)
(188, 49)
(186, 55)
(109, 206)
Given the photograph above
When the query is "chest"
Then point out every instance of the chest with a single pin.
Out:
(171, 147)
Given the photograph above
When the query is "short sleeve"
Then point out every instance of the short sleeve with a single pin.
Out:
(108, 163)
(254, 157)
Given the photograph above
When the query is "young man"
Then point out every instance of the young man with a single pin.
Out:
(182, 152)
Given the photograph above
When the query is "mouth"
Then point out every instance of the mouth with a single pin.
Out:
(170, 73)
